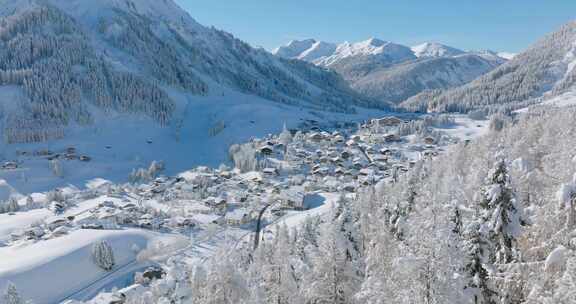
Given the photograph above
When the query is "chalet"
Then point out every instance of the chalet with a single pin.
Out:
(252, 176)
(129, 207)
(380, 158)
(391, 138)
(206, 219)
(107, 204)
(345, 154)
(336, 160)
(43, 152)
(60, 231)
(385, 151)
(147, 221)
(238, 217)
(85, 158)
(349, 187)
(197, 208)
(17, 235)
(316, 137)
(217, 204)
(226, 174)
(70, 156)
(356, 138)
(387, 121)
(34, 233)
(181, 222)
(70, 150)
(53, 156)
(330, 184)
(293, 198)
(266, 150)
(56, 222)
(10, 165)
(338, 139)
(429, 140)
(351, 143)
(270, 171)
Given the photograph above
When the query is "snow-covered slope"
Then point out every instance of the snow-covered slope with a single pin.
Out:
(404, 80)
(125, 56)
(544, 70)
(433, 49)
(294, 48)
(391, 72)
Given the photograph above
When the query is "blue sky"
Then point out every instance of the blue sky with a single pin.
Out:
(501, 25)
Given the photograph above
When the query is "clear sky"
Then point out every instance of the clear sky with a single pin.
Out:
(501, 25)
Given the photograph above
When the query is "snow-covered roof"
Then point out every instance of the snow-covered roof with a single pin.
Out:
(237, 214)
(205, 218)
(295, 194)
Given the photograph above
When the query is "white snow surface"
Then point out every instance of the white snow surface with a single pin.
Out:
(48, 271)
(434, 49)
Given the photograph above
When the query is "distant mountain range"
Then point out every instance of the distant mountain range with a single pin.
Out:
(544, 70)
(391, 72)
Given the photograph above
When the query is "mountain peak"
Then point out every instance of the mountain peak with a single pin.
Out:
(434, 49)
(373, 42)
(294, 48)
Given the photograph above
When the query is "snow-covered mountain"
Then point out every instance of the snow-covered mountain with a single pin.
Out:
(544, 70)
(434, 49)
(404, 80)
(128, 56)
(391, 72)
(328, 54)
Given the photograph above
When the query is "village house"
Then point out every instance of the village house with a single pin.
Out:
(316, 137)
(238, 217)
(391, 138)
(10, 165)
(218, 204)
(56, 222)
(387, 121)
(270, 171)
(266, 150)
(429, 140)
(292, 198)
(206, 219)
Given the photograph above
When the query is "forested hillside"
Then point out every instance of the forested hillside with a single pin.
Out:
(68, 60)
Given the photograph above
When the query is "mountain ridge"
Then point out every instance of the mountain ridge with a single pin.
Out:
(392, 73)
(545, 69)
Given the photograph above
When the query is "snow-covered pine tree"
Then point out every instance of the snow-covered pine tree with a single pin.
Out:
(11, 295)
(501, 215)
(279, 279)
(567, 200)
(335, 277)
(103, 255)
(478, 286)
